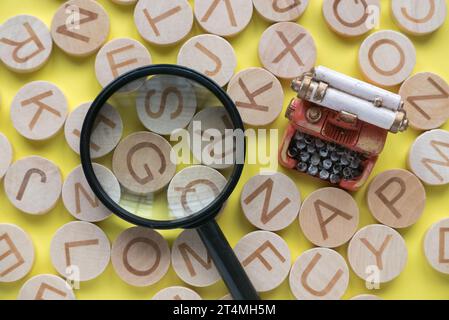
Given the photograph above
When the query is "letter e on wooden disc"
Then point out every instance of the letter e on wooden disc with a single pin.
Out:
(280, 10)
(177, 293)
(33, 185)
(265, 256)
(319, 274)
(7, 154)
(436, 246)
(140, 256)
(270, 201)
(329, 217)
(16, 253)
(46, 287)
(396, 198)
(377, 253)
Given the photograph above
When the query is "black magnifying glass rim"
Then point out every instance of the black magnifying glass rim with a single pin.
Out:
(194, 220)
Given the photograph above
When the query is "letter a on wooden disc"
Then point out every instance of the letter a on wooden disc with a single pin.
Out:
(46, 287)
(7, 154)
(280, 10)
(436, 246)
(33, 185)
(16, 253)
(177, 293)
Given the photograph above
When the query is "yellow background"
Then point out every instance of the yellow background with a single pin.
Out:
(77, 80)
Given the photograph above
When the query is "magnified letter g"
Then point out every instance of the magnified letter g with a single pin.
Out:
(149, 175)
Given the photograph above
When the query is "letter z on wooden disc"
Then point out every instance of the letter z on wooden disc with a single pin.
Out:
(426, 100)
(377, 253)
(287, 50)
(177, 293)
(329, 217)
(396, 198)
(25, 43)
(16, 253)
(280, 10)
(33, 185)
(258, 95)
(7, 154)
(46, 287)
(270, 202)
(80, 27)
(436, 246)
(39, 110)
(80, 249)
(319, 274)
(142, 163)
(140, 256)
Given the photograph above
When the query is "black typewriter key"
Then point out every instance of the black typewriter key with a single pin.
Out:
(301, 166)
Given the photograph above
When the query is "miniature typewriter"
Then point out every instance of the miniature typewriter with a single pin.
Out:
(338, 127)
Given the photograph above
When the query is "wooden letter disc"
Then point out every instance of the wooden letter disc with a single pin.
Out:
(6, 154)
(280, 10)
(46, 287)
(177, 293)
(436, 246)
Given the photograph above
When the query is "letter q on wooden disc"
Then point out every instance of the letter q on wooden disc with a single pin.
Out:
(429, 157)
(191, 260)
(319, 274)
(351, 18)
(166, 103)
(223, 17)
(210, 55)
(140, 256)
(163, 22)
(25, 43)
(377, 253)
(396, 198)
(46, 287)
(436, 246)
(16, 253)
(142, 163)
(7, 154)
(426, 100)
(287, 50)
(33, 185)
(39, 110)
(387, 58)
(258, 95)
(280, 10)
(270, 201)
(265, 256)
(105, 136)
(80, 27)
(329, 217)
(419, 17)
(176, 293)
(80, 250)
(79, 199)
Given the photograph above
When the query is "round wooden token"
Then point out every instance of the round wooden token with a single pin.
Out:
(319, 274)
(419, 17)
(366, 297)
(80, 27)
(46, 287)
(436, 246)
(118, 57)
(7, 154)
(80, 251)
(351, 18)
(79, 199)
(265, 256)
(329, 217)
(426, 100)
(105, 136)
(377, 253)
(223, 18)
(210, 55)
(39, 110)
(429, 157)
(142, 163)
(258, 95)
(25, 43)
(16, 253)
(287, 50)
(33, 185)
(280, 10)
(270, 201)
(192, 189)
(396, 198)
(125, 2)
(192, 262)
(166, 103)
(387, 58)
(140, 256)
(177, 293)
(163, 22)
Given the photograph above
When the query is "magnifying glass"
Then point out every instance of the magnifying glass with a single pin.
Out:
(178, 157)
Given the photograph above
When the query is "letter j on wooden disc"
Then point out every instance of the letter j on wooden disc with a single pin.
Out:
(175, 169)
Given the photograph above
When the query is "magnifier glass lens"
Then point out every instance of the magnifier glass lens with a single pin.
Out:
(170, 144)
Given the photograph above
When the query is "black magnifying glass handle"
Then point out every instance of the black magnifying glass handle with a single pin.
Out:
(229, 267)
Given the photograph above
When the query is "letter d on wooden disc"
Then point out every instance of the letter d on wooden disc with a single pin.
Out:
(436, 246)
(46, 287)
